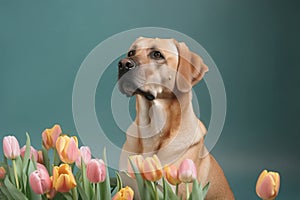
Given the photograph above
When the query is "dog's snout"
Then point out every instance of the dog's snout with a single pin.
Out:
(126, 64)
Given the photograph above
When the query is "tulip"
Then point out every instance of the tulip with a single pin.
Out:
(50, 136)
(267, 186)
(96, 171)
(2, 173)
(85, 156)
(187, 171)
(33, 152)
(63, 178)
(124, 194)
(40, 157)
(138, 161)
(152, 170)
(51, 194)
(11, 147)
(171, 174)
(39, 180)
(67, 149)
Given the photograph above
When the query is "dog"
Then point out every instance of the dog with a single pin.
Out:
(160, 73)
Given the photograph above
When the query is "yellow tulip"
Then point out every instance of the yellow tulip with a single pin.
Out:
(50, 136)
(267, 186)
(63, 178)
(124, 194)
(152, 169)
(67, 149)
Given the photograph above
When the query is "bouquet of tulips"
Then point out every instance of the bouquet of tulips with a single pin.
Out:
(72, 173)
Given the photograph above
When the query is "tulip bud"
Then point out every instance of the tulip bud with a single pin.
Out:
(11, 147)
(124, 194)
(50, 136)
(187, 171)
(96, 171)
(40, 157)
(171, 174)
(39, 180)
(138, 161)
(63, 178)
(267, 186)
(85, 156)
(2, 173)
(152, 170)
(33, 152)
(67, 148)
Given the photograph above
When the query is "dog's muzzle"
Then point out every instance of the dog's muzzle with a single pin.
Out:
(131, 79)
(125, 65)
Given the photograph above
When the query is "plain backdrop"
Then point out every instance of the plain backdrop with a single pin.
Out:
(255, 45)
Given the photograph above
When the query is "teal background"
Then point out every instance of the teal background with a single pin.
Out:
(254, 44)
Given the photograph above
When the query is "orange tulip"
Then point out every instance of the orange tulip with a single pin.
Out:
(63, 178)
(124, 194)
(2, 173)
(40, 157)
(267, 186)
(50, 136)
(152, 170)
(171, 174)
(67, 149)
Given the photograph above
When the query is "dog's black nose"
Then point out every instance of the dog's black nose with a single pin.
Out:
(126, 64)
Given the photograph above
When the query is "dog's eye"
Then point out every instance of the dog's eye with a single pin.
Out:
(156, 55)
(131, 53)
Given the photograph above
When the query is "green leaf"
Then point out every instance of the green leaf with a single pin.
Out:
(67, 196)
(205, 189)
(15, 193)
(168, 192)
(46, 159)
(5, 193)
(82, 192)
(119, 181)
(86, 184)
(27, 153)
(105, 186)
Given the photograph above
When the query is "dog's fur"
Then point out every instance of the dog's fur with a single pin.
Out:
(165, 122)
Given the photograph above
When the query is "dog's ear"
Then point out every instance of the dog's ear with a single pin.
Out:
(190, 70)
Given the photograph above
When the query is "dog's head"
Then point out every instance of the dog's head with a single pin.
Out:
(158, 68)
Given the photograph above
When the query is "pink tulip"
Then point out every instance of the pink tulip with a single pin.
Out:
(138, 161)
(96, 171)
(33, 152)
(187, 171)
(267, 186)
(2, 173)
(11, 147)
(85, 155)
(39, 180)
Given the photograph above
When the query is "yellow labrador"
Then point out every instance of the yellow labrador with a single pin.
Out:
(161, 74)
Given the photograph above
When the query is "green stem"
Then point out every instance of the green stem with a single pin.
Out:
(56, 159)
(15, 173)
(74, 194)
(176, 190)
(155, 189)
(96, 191)
(187, 191)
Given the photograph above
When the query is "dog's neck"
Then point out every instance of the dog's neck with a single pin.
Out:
(162, 121)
